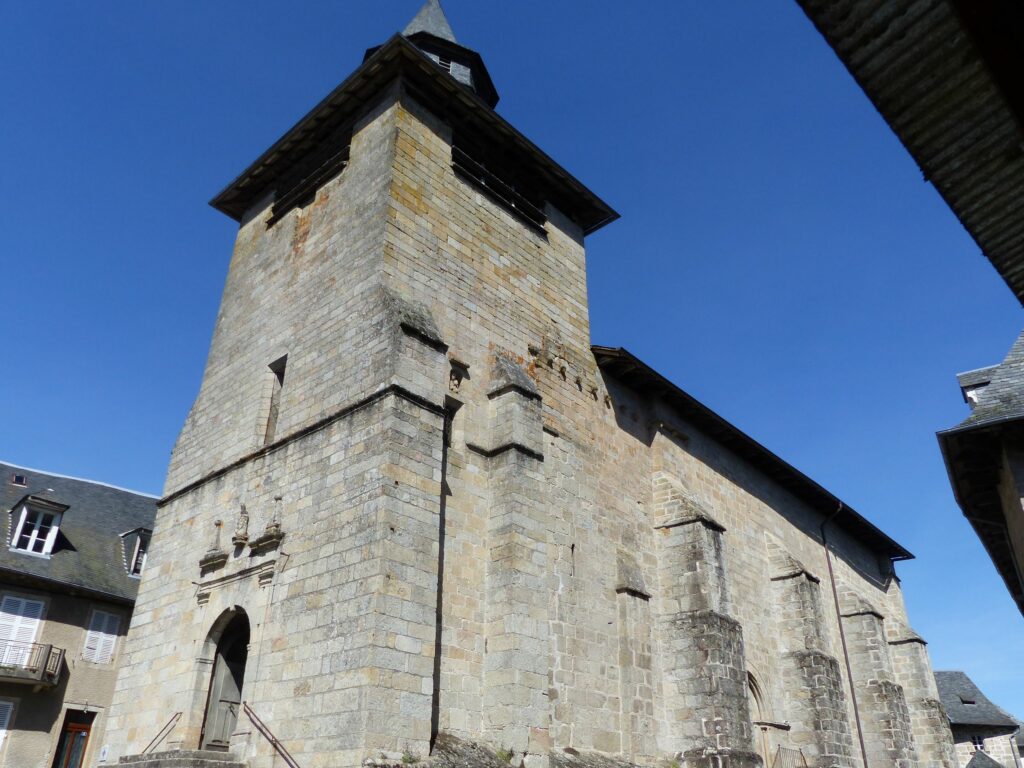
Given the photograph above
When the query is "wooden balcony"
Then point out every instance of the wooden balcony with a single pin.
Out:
(30, 663)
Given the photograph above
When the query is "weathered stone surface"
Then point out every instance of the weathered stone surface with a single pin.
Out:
(534, 557)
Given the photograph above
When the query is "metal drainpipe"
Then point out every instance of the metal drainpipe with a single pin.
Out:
(842, 634)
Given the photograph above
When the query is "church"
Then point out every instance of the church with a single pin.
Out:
(414, 510)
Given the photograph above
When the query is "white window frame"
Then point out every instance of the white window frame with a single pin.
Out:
(104, 627)
(19, 649)
(139, 554)
(978, 742)
(35, 513)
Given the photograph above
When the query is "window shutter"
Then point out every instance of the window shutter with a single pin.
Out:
(19, 623)
(6, 708)
(101, 637)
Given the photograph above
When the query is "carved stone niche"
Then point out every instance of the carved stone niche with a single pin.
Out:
(458, 372)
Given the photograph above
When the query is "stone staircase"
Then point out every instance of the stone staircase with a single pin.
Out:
(184, 758)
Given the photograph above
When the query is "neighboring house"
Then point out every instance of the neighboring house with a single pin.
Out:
(947, 77)
(412, 503)
(68, 578)
(985, 461)
(984, 734)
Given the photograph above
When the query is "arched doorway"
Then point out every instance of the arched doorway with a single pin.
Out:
(224, 700)
(759, 717)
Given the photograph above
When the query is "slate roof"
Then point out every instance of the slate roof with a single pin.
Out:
(982, 760)
(973, 453)
(431, 19)
(1002, 399)
(954, 688)
(463, 109)
(88, 556)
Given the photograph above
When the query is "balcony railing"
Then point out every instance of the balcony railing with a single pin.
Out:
(32, 663)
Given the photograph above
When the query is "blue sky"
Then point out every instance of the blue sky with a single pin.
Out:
(779, 255)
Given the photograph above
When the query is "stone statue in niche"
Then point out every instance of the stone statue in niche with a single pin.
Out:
(459, 371)
(241, 534)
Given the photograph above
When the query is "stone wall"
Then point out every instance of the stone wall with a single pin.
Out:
(485, 535)
(999, 745)
(814, 694)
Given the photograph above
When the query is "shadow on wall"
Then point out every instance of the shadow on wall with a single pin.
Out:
(642, 420)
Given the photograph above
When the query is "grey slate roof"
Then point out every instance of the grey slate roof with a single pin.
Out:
(88, 555)
(954, 688)
(982, 760)
(973, 453)
(1003, 398)
(431, 19)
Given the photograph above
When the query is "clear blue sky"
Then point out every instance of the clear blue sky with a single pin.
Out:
(779, 255)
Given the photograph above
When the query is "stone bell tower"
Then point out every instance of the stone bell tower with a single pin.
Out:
(331, 570)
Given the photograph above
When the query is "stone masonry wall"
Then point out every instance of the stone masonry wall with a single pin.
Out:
(912, 669)
(484, 534)
(813, 681)
(884, 714)
(998, 745)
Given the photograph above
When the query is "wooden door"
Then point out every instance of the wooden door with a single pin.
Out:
(73, 741)
(225, 699)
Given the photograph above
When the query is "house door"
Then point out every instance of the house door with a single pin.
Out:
(225, 697)
(73, 739)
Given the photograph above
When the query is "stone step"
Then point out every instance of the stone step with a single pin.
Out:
(183, 758)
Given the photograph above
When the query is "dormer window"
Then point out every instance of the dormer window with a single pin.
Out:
(136, 548)
(19, 480)
(36, 523)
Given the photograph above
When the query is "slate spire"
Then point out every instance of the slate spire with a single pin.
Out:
(431, 19)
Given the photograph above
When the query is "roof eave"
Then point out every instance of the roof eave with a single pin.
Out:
(398, 51)
(803, 486)
(998, 548)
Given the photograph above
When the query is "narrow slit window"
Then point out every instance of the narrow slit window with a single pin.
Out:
(277, 384)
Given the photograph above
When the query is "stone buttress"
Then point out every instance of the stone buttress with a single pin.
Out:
(705, 679)
(913, 670)
(816, 704)
(884, 715)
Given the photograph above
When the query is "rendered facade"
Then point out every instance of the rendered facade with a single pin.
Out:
(68, 577)
(413, 506)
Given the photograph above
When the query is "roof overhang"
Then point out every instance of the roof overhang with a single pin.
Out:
(13, 576)
(948, 78)
(628, 369)
(973, 456)
(398, 59)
